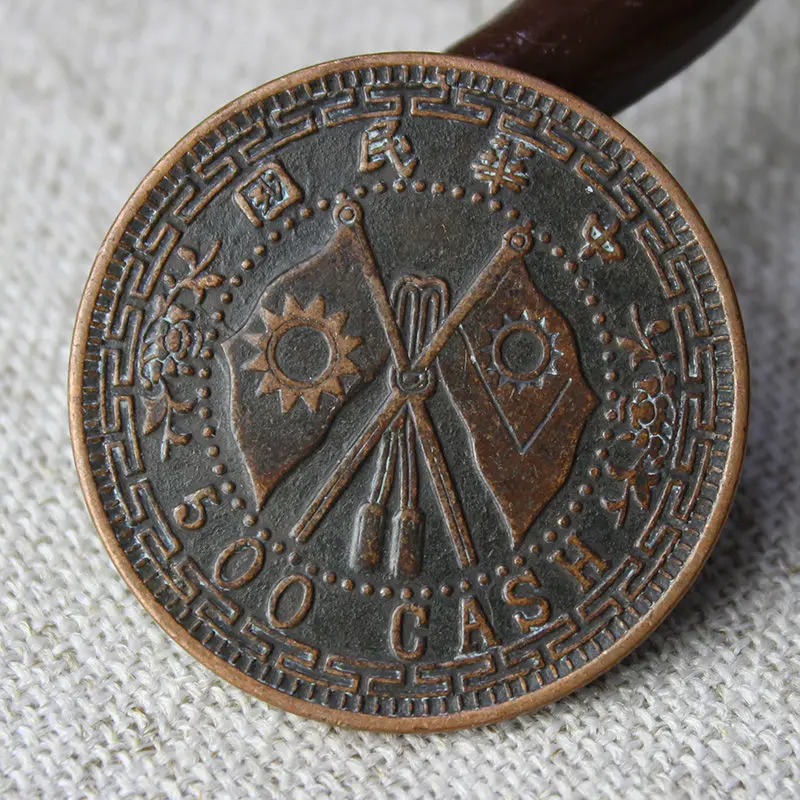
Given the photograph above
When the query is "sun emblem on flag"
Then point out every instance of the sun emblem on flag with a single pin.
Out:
(522, 398)
(303, 353)
(523, 352)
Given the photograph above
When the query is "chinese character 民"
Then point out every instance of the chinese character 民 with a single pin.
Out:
(380, 143)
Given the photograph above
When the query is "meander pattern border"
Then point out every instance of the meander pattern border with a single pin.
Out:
(614, 604)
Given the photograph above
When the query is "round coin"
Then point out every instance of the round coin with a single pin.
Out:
(408, 392)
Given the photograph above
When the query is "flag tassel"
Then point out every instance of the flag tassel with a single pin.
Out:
(370, 528)
(407, 525)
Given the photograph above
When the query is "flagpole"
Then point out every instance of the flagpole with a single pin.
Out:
(347, 468)
(443, 483)
(517, 242)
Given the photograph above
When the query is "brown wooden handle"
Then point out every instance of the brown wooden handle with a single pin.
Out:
(609, 52)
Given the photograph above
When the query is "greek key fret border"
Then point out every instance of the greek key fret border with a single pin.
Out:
(616, 602)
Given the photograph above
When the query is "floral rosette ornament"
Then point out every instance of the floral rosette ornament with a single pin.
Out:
(650, 416)
(448, 422)
(170, 342)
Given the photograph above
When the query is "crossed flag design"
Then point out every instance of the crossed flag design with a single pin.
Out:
(411, 327)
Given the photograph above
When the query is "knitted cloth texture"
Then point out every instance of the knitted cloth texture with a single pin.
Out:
(96, 700)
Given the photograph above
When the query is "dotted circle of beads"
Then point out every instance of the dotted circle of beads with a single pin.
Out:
(285, 546)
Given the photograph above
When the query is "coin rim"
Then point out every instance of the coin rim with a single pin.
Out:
(560, 687)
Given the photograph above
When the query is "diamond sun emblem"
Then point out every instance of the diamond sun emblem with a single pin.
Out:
(303, 353)
(523, 351)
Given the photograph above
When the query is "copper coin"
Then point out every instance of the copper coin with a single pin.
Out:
(408, 392)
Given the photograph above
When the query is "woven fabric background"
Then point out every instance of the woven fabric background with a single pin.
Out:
(95, 700)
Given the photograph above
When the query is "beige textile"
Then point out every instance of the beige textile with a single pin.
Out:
(95, 700)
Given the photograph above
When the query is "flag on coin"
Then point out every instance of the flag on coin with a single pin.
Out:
(515, 377)
(311, 343)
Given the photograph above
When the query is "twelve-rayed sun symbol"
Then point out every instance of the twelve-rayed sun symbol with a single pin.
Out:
(523, 351)
(303, 353)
